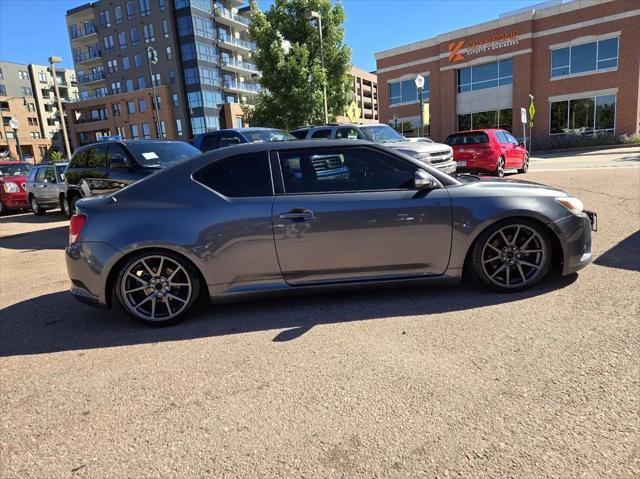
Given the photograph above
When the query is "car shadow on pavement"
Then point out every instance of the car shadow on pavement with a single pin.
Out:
(30, 218)
(56, 322)
(52, 238)
(624, 255)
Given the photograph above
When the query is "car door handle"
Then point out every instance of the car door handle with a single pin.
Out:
(300, 214)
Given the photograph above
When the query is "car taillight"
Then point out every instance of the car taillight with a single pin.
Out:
(75, 227)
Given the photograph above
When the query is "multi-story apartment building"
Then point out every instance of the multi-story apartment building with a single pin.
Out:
(201, 77)
(27, 94)
(365, 95)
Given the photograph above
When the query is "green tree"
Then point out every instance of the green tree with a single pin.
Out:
(56, 156)
(288, 56)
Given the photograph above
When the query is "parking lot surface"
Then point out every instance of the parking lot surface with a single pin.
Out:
(404, 382)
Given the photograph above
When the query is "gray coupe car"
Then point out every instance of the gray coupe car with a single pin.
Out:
(260, 218)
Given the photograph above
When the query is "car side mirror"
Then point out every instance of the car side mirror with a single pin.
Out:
(118, 161)
(424, 181)
(521, 143)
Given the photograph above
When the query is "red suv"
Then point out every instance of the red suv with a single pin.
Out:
(488, 151)
(13, 176)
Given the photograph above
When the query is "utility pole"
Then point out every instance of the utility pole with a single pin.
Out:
(13, 123)
(53, 61)
(152, 57)
(420, 85)
(311, 15)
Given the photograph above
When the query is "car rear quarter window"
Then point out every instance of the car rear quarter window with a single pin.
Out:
(240, 176)
(300, 134)
(229, 139)
(321, 134)
(473, 138)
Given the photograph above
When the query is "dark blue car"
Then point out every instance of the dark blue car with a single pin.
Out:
(213, 140)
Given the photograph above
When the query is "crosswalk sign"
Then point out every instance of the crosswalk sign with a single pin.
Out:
(532, 112)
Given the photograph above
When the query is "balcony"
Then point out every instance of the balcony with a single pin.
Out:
(237, 44)
(82, 33)
(225, 16)
(87, 57)
(241, 87)
(92, 78)
(238, 66)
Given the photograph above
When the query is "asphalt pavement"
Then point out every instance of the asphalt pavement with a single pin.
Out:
(404, 382)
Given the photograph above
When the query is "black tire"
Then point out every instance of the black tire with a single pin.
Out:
(35, 207)
(65, 208)
(72, 205)
(525, 165)
(158, 303)
(3, 209)
(500, 167)
(512, 268)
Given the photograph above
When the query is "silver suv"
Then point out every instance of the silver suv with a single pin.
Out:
(437, 155)
(46, 188)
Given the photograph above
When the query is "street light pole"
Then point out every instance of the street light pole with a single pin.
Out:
(53, 61)
(311, 15)
(420, 85)
(152, 59)
(13, 123)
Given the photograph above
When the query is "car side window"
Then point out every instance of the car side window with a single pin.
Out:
(321, 134)
(115, 149)
(79, 160)
(238, 176)
(97, 157)
(49, 175)
(348, 133)
(343, 170)
(300, 134)
(228, 139)
(210, 142)
(32, 175)
(510, 138)
(40, 175)
(501, 137)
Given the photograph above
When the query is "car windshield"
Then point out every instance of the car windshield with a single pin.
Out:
(157, 153)
(15, 169)
(381, 134)
(261, 136)
(467, 138)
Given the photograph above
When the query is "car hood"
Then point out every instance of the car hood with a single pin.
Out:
(420, 147)
(13, 179)
(485, 186)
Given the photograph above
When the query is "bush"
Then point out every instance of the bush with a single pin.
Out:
(572, 140)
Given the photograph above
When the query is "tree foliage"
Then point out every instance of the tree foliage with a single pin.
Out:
(292, 80)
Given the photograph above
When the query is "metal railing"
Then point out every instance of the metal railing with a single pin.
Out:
(226, 13)
(243, 86)
(97, 76)
(83, 31)
(239, 64)
(83, 57)
(239, 43)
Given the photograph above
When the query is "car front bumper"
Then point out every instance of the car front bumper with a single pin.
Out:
(14, 201)
(88, 265)
(449, 167)
(575, 237)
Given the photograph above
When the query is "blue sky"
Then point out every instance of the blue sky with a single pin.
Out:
(33, 30)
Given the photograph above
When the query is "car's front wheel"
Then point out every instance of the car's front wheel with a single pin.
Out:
(64, 206)
(512, 255)
(36, 208)
(157, 288)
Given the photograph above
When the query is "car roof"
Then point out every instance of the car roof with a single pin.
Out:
(126, 142)
(482, 130)
(287, 145)
(11, 162)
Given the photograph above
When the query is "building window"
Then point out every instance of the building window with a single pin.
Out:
(130, 86)
(176, 99)
(197, 125)
(156, 80)
(211, 99)
(194, 99)
(137, 60)
(158, 102)
(131, 9)
(126, 63)
(26, 91)
(142, 82)
(163, 130)
(179, 131)
(135, 39)
(206, 52)
(112, 65)
(406, 91)
(42, 76)
(105, 19)
(31, 106)
(209, 76)
(168, 52)
(23, 75)
(108, 43)
(191, 76)
(188, 52)
(583, 115)
(100, 92)
(161, 4)
(148, 33)
(185, 26)
(489, 75)
(142, 107)
(146, 132)
(172, 76)
(486, 119)
(3, 90)
(117, 111)
(117, 14)
(131, 107)
(116, 87)
(212, 123)
(145, 7)
(134, 132)
(203, 27)
(587, 57)
(122, 40)
(165, 28)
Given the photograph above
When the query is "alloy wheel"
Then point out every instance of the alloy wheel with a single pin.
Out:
(514, 256)
(65, 206)
(156, 288)
(500, 167)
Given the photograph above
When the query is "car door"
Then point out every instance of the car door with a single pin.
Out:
(353, 213)
(47, 188)
(518, 151)
(92, 179)
(118, 175)
(505, 148)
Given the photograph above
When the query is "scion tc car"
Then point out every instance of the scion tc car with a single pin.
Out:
(13, 176)
(266, 217)
(488, 151)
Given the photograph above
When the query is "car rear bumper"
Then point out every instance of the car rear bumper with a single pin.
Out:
(575, 236)
(88, 265)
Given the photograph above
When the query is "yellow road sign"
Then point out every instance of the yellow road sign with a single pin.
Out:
(353, 112)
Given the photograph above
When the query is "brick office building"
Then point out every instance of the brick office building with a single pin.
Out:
(579, 59)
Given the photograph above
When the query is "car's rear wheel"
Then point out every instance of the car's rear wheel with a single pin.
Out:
(157, 288)
(72, 204)
(525, 165)
(36, 208)
(500, 167)
(512, 255)
(65, 207)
